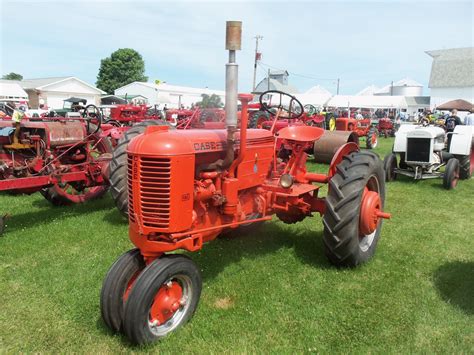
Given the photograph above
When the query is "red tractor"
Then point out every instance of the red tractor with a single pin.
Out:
(386, 127)
(63, 159)
(363, 128)
(186, 187)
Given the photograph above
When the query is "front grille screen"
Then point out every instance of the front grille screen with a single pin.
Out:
(155, 181)
(418, 149)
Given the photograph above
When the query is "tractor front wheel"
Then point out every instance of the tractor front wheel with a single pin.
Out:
(372, 138)
(389, 165)
(118, 164)
(116, 287)
(451, 174)
(354, 205)
(163, 298)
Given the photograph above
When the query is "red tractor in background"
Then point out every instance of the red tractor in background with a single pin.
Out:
(64, 159)
(386, 127)
(363, 128)
(186, 187)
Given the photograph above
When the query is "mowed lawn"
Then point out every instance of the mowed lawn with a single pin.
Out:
(271, 290)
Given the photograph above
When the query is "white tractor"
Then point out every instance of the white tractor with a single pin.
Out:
(422, 154)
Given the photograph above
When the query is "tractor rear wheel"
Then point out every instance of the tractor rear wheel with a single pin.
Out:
(372, 139)
(63, 194)
(257, 118)
(389, 165)
(466, 166)
(354, 203)
(118, 164)
(451, 174)
(116, 287)
(163, 298)
(330, 122)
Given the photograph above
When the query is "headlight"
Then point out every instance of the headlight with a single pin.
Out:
(286, 181)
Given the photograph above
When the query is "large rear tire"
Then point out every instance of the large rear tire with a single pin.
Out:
(345, 242)
(163, 298)
(116, 287)
(257, 118)
(62, 194)
(451, 174)
(118, 165)
(465, 166)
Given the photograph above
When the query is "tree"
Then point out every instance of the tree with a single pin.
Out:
(12, 76)
(124, 66)
(213, 101)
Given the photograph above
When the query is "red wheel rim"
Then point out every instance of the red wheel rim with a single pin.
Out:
(166, 302)
(455, 179)
(370, 213)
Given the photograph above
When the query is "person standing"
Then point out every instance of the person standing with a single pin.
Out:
(451, 122)
(469, 119)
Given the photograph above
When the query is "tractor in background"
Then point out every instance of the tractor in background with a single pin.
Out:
(64, 159)
(423, 155)
(186, 187)
(386, 127)
(363, 128)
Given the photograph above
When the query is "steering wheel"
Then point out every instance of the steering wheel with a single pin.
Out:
(95, 114)
(292, 108)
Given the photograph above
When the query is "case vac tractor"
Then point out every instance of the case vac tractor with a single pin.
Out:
(188, 186)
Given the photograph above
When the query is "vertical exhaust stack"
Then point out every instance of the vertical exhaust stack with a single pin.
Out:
(233, 39)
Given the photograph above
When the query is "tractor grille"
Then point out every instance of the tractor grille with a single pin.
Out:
(418, 149)
(155, 192)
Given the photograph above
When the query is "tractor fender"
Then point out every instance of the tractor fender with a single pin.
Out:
(462, 140)
(344, 150)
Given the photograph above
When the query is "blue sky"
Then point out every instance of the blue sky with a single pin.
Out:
(182, 42)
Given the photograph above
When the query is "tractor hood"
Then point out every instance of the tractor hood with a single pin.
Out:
(162, 141)
(425, 132)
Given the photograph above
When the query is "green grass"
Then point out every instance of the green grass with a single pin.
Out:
(271, 290)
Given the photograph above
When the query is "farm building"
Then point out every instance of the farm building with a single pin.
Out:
(278, 80)
(52, 91)
(171, 95)
(452, 75)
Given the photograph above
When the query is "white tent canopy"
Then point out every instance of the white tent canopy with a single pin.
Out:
(12, 90)
(371, 102)
(313, 99)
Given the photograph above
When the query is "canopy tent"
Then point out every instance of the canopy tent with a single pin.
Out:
(12, 90)
(460, 105)
(313, 99)
(369, 102)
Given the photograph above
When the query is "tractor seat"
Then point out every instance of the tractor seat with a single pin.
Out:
(300, 133)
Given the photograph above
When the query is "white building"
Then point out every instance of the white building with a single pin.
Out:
(452, 75)
(52, 91)
(278, 80)
(171, 95)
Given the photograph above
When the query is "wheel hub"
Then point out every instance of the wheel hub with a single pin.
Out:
(370, 212)
(167, 301)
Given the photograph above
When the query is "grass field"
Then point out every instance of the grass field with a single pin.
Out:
(268, 291)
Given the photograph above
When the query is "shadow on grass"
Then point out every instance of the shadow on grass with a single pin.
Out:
(265, 239)
(455, 284)
(48, 213)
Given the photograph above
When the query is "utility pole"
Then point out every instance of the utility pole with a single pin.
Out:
(337, 91)
(257, 58)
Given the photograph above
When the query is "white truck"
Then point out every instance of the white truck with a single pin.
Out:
(422, 154)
